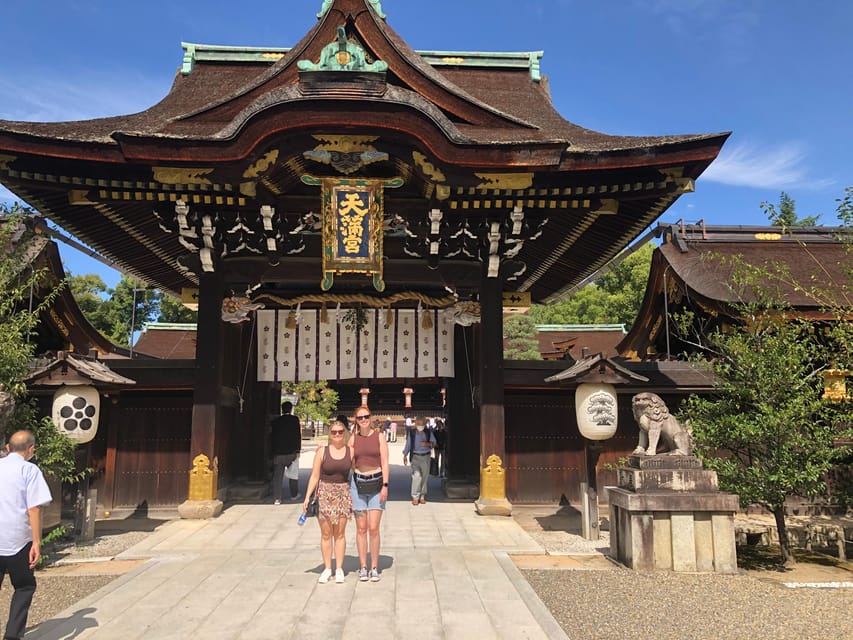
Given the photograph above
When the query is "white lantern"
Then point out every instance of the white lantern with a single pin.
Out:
(76, 410)
(596, 409)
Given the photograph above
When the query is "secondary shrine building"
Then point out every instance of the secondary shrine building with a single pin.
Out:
(353, 210)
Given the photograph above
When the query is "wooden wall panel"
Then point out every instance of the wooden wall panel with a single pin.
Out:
(545, 454)
(546, 461)
(153, 450)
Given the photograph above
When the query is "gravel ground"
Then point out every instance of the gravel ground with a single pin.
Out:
(626, 604)
(620, 603)
(58, 588)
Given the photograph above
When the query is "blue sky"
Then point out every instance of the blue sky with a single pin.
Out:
(774, 72)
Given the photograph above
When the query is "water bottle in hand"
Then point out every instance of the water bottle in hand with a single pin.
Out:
(302, 518)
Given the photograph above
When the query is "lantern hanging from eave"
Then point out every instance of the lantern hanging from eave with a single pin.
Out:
(76, 411)
(596, 409)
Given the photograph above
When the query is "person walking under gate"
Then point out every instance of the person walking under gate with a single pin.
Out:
(369, 491)
(418, 449)
(330, 476)
(440, 434)
(23, 492)
(285, 445)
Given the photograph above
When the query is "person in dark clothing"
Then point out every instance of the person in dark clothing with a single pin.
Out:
(440, 434)
(285, 445)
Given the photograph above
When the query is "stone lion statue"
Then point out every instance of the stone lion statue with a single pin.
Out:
(656, 425)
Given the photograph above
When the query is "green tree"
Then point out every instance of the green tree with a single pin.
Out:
(171, 310)
(55, 453)
(113, 311)
(785, 214)
(765, 429)
(614, 298)
(315, 400)
(520, 341)
(90, 291)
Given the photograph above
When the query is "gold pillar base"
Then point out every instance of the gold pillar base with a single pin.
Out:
(493, 506)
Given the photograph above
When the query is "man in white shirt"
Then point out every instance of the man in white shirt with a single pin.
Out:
(23, 492)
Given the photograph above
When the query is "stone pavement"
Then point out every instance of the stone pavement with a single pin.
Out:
(251, 574)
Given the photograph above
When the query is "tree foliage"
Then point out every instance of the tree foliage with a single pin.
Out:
(112, 311)
(55, 451)
(315, 400)
(765, 429)
(171, 310)
(520, 341)
(614, 298)
(785, 213)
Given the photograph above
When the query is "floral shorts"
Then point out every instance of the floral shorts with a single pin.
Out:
(334, 500)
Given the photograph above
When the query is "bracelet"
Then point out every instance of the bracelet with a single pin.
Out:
(384, 484)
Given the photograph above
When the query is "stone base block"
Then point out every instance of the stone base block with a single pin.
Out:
(643, 480)
(493, 507)
(671, 531)
(200, 509)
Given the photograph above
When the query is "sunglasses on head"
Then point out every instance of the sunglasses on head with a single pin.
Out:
(367, 417)
(337, 432)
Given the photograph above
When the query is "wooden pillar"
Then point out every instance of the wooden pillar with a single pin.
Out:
(207, 416)
(492, 500)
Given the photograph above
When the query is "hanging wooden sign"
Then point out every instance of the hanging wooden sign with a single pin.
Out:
(352, 229)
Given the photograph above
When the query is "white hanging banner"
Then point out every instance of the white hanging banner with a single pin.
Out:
(338, 350)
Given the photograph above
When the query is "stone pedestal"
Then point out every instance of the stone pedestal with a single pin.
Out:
(493, 507)
(200, 509)
(668, 514)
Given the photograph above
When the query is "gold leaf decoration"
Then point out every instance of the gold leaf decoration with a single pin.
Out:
(181, 175)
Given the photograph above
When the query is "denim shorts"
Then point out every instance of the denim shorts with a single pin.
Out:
(364, 502)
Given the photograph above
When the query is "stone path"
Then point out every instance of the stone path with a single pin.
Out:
(252, 574)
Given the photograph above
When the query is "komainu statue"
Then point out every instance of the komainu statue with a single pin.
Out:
(656, 425)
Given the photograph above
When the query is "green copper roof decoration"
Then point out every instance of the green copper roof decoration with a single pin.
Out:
(529, 60)
(343, 55)
(216, 53)
(327, 4)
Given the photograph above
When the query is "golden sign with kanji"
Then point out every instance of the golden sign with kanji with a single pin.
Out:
(352, 229)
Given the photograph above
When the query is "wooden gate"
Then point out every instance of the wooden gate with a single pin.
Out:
(545, 455)
(152, 450)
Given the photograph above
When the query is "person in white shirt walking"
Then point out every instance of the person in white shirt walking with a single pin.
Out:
(23, 492)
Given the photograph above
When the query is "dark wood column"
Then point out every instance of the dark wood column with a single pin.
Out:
(492, 500)
(207, 413)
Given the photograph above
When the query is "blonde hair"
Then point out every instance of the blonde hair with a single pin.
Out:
(340, 424)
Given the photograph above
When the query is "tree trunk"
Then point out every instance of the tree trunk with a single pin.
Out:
(784, 543)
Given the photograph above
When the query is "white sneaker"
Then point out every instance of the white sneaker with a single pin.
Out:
(374, 575)
(339, 576)
(324, 577)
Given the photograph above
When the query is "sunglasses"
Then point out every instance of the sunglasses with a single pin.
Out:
(367, 417)
(337, 432)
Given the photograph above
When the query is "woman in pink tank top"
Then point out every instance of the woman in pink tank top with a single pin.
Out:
(369, 490)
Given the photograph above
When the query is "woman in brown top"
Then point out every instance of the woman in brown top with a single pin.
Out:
(330, 476)
(369, 490)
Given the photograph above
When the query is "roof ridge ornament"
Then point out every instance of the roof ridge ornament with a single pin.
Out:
(327, 4)
(343, 55)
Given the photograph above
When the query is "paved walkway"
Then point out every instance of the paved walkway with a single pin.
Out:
(251, 574)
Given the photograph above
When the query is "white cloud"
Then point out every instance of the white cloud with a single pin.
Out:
(52, 99)
(770, 168)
